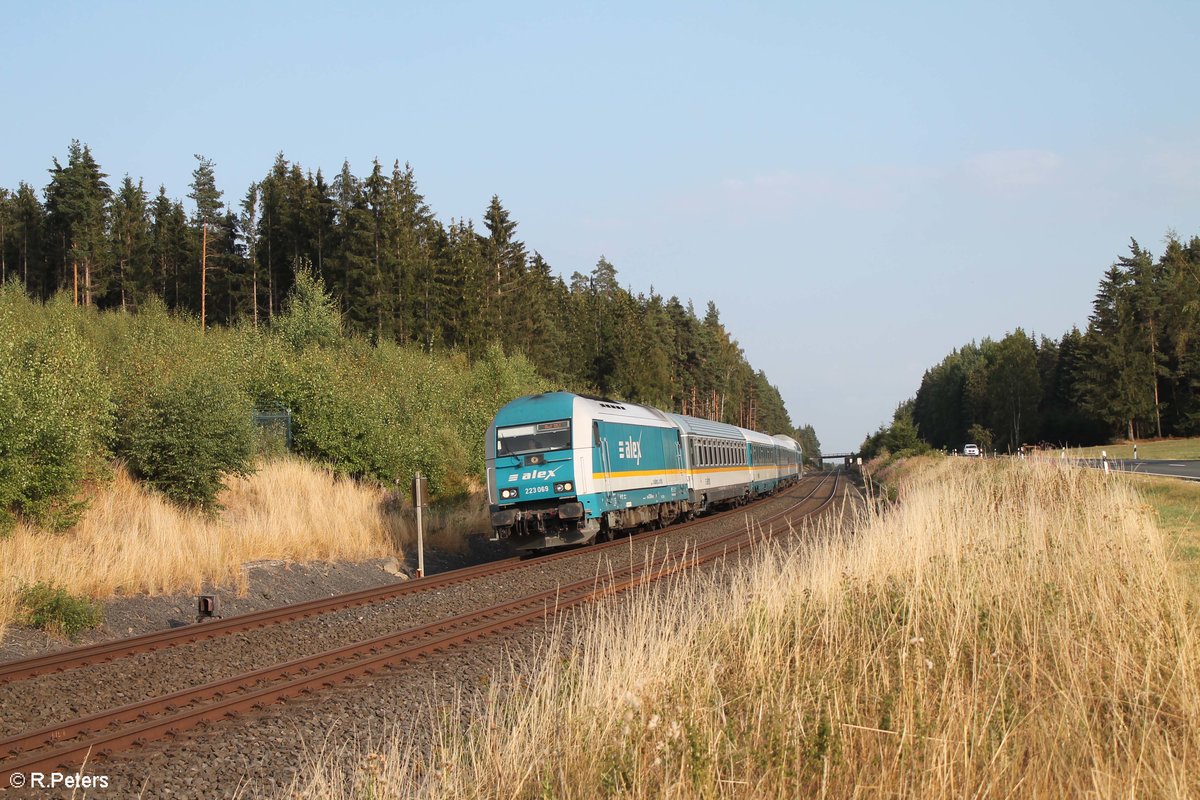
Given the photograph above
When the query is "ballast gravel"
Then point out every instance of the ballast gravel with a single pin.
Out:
(260, 754)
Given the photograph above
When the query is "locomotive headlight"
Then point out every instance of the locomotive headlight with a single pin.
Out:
(508, 494)
(565, 486)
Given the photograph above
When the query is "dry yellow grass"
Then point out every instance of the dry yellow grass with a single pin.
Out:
(132, 541)
(1008, 630)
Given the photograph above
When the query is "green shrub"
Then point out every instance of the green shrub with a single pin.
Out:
(190, 432)
(53, 609)
(55, 411)
(184, 416)
(311, 316)
(177, 403)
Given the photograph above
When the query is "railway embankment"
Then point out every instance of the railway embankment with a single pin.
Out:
(259, 749)
(1010, 628)
(291, 531)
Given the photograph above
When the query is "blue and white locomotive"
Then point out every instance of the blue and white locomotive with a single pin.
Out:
(565, 469)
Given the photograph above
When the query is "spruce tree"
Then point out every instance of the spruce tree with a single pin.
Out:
(77, 206)
(208, 216)
(28, 242)
(130, 237)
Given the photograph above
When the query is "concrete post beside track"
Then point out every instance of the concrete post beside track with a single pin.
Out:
(420, 489)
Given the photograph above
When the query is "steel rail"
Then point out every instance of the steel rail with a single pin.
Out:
(74, 658)
(45, 749)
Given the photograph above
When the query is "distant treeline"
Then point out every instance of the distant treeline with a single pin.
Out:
(1135, 371)
(397, 273)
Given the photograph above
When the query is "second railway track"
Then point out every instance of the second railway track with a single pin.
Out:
(75, 740)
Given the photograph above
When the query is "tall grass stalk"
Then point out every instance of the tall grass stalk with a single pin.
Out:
(1007, 630)
(132, 540)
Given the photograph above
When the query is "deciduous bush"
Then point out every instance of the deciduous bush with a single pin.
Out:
(55, 411)
(190, 432)
(177, 403)
(311, 316)
(55, 610)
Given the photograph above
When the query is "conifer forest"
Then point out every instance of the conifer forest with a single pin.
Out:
(324, 296)
(1133, 372)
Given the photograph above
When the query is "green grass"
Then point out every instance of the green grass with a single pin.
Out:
(1155, 450)
(53, 609)
(1177, 505)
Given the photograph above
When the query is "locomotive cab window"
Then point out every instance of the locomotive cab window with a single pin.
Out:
(537, 437)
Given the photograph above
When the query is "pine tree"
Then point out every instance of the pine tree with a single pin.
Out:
(208, 216)
(506, 257)
(249, 227)
(544, 302)
(381, 309)
(1117, 384)
(77, 207)
(465, 289)
(170, 249)
(130, 243)
(411, 231)
(1180, 269)
(1145, 284)
(356, 248)
(27, 240)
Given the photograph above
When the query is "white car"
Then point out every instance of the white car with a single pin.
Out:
(971, 450)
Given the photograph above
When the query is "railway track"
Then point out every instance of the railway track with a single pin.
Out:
(99, 735)
(75, 658)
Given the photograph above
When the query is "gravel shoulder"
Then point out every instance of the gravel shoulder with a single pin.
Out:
(260, 754)
(269, 584)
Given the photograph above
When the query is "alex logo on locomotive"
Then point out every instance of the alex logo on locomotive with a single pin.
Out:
(536, 475)
(630, 450)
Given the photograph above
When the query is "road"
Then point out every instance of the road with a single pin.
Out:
(1188, 470)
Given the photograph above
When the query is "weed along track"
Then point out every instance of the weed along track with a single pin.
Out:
(104, 652)
(536, 588)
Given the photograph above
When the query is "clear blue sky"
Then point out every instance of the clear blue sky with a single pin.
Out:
(861, 187)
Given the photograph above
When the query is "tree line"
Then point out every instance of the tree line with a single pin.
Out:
(397, 272)
(1133, 372)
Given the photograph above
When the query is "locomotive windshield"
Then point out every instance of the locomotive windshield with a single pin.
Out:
(535, 438)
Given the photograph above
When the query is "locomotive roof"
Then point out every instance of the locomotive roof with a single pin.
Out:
(610, 409)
